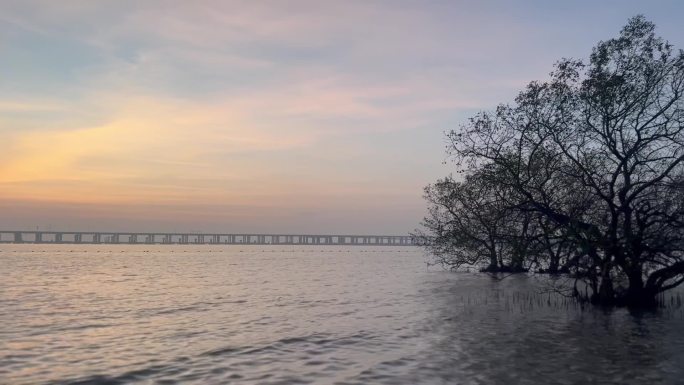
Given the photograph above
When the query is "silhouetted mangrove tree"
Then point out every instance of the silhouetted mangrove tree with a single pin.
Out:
(582, 174)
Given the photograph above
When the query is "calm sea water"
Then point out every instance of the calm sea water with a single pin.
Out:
(283, 315)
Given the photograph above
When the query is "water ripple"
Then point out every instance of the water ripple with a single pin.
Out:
(167, 315)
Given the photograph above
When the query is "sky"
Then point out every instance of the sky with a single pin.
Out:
(282, 116)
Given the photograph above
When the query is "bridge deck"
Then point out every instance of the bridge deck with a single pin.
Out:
(90, 237)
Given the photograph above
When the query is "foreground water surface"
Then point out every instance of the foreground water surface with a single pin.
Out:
(292, 315)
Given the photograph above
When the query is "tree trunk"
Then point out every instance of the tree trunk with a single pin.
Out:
(606, 293)
(493, 263)
(517, 264)
(553, 264)
(637, 294)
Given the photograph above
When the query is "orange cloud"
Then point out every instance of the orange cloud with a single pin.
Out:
(146, 138)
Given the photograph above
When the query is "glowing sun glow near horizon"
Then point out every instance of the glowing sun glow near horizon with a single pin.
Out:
(318, 116)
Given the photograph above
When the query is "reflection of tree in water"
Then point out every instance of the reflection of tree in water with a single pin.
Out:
(489, 342)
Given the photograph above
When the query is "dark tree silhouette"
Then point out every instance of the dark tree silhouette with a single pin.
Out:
(596, 154)
(467, 221)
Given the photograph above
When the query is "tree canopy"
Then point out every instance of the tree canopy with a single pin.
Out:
(583, 173)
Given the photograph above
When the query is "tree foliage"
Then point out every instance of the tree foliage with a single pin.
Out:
(590, 164)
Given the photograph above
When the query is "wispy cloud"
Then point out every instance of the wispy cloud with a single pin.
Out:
(315, 104)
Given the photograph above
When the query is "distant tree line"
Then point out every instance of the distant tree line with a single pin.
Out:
(582, 175)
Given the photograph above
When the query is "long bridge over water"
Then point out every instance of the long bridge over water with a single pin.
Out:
(134, 238)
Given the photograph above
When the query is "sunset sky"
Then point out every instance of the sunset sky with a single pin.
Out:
(266, 116)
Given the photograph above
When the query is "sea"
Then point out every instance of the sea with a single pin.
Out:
(249, 314)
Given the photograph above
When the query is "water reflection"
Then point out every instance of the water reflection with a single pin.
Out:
(274, 316)
(491, 343)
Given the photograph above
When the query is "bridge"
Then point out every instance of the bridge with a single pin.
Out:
(132, 238)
